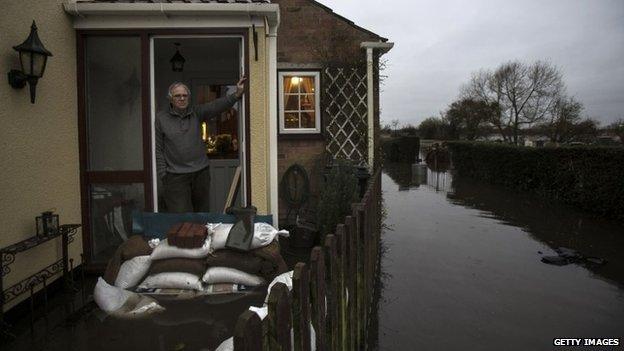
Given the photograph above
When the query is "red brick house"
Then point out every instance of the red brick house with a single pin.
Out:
(330, 51)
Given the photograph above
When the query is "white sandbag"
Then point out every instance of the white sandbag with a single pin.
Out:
(172, 280)
(164, 250)
(108, 297)
(285, 278)
(132, 271)
(264, 234)
(215, 275)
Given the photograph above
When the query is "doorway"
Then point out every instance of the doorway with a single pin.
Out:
(211, 67)
(122, 81)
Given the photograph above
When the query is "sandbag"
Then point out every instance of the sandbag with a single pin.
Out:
(264, 234)
(266, 261)
(175, 280)
(195, 266)
(129, 249)
(215, 275)
(109, 298)
(285, 278)
(164, 250)
(132, 271)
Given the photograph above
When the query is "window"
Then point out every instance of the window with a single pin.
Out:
(299, 108)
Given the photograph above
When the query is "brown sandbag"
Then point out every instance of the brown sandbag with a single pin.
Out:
(129, 249)
(266, 261)
(196, 266)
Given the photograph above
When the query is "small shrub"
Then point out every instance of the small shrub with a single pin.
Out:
(339, 191)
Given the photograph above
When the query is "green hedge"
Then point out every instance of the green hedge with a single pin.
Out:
(403, 148)
(591, 178)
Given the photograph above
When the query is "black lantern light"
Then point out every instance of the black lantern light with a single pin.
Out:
(33, 57)
(47, 223)
(177, 61)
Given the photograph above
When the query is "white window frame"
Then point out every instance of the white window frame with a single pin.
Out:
(317, 102)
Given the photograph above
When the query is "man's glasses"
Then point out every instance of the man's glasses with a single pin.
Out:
(180, 96)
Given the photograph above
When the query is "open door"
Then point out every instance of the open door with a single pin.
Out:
(212, 66)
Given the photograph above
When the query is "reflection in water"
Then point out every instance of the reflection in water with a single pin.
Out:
(411, 176)
(464, 270)
(552, 223)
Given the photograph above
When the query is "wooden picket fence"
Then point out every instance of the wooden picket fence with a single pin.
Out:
(333, 292)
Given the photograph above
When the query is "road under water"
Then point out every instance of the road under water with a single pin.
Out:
(463, 268)
(463, 271)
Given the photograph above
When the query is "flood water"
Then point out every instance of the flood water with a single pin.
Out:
(462, 268)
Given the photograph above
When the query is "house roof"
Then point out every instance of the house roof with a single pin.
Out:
(178, 1)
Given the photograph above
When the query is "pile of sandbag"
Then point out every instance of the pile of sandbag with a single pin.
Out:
(157, 264)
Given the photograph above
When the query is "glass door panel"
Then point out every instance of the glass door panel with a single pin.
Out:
(115, 176)
(113, 103)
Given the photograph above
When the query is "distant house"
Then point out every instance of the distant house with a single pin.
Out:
(536, 141)
(85, 148)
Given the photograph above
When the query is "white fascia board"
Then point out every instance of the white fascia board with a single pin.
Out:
(170, 14)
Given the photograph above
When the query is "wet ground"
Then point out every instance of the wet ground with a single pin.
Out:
(74, 322)
(197, 324)
(463, 268)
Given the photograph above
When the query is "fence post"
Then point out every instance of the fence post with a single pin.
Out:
(301, 307)
(318, 290)
(279, 318)
(343, 262)
(331, 269)
(362, 272)
(248, 332)
(351, 282)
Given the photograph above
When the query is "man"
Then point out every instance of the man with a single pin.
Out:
(181, 159)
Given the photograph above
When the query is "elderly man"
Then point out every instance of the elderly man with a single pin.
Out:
(181, 159)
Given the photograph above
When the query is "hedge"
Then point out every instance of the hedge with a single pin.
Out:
(403, 148)
(588, 177)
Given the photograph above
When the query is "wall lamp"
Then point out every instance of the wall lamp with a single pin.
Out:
(33, 57)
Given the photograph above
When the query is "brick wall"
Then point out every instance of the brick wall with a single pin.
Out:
(311, 36)
(310, 33)
(309, 155)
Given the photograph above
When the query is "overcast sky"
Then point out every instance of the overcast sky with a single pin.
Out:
(438, 44)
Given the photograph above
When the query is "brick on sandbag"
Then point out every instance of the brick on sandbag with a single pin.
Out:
(187, 235)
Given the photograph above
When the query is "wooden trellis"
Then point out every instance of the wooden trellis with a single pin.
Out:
(346, 113)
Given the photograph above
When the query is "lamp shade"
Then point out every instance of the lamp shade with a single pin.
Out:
(33, 55)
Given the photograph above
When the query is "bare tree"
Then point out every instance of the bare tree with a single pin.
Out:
(562, 119)
(524, 93)
(395, 125)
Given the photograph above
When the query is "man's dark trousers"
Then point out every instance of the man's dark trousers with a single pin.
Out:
(187, 192)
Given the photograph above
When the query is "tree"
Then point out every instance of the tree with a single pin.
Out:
(617, 128)
(432, 128)
(523, 92)
(466, 117)
(395, 125)
(585, 131)
(563, 119)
